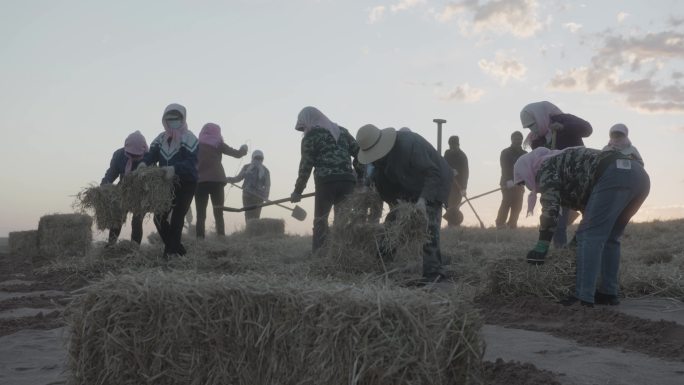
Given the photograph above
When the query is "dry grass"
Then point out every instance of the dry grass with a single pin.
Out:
(260, 329)
(106, 204)
(64, 235)
(265, 227)
(23, 243)
(146, 190)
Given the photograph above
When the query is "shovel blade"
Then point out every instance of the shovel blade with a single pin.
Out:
(298, 213)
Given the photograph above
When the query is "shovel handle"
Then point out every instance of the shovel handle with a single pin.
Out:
(262, 198)
(252, 207)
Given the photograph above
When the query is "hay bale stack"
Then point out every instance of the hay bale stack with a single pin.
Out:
(271, 227)
(64, 235)
(106, 204)
(179, 329)
(509, 278)
(146, 190)
(23, 249)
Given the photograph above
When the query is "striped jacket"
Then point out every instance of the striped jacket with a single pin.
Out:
(183, 158)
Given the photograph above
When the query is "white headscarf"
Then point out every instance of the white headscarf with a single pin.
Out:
(257, 164)
(618, 144)
(310, 117)
(537, 117)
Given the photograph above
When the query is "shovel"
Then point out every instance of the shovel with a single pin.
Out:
(297, 213)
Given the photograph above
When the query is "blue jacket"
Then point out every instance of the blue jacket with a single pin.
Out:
(117, 167)
(183, 158)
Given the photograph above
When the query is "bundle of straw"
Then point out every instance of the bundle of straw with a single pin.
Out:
(179, 329)
(64, 235)
(269, 227)
(508, 278)
(23, 243)
(146, 190)
(106, 204)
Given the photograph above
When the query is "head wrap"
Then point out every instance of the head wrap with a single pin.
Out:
(621, 143)
(211, 135)
(526, 168)
(537, 117)
(174, 134)
(310, 117)
(135, 147)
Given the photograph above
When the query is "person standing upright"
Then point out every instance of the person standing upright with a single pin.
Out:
(327, 149)
(511, 194)
(212, 176)
(458, 161)
(257, 185)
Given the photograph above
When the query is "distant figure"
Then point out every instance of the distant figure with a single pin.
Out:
(175, 150)
(124, 160)
(257, 184)
(458, 161)
(512, 194)
(619, 141)
(212, 176)
(408, 168)
(551, 128)
(608, 188)
(327, 149)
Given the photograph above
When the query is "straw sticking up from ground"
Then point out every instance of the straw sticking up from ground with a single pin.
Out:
(258, 329)
(510, 278)
(146, 190)
(106, 204)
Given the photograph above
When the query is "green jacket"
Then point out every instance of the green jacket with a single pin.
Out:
(330, 160)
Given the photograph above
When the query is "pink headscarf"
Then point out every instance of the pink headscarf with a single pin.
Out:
(526, 168)
(619, 143)
(177, 134)
(135, 145)
(211, 135)
(540, 114)
(310, 117)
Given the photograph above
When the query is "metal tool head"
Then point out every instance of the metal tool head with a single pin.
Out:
(439, 120)
(298, 213)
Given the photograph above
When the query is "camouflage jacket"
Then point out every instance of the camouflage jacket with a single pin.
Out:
(566, 180)
(330, 160)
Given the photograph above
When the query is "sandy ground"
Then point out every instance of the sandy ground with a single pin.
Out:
(530, 349)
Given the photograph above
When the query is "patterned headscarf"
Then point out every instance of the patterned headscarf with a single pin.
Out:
(211, 135)
(310, 117)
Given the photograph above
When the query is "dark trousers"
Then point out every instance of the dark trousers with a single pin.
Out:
(328, 195)
(249, 199)
(204, 191)
(170, 224)
(136, 230)
(511, 201)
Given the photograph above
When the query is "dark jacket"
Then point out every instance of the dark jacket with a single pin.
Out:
(209, 166)
(183, 159)
(413, 169)
(117, 167)
(330, 159)
(457, 160)
(507, 159)
(574, 129)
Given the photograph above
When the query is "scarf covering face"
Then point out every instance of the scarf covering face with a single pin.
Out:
(135, 145)
(177, 134)
(310, 117)
(526, 168)
(211, 135)
(257, 165)
(621, 143)
(540, 114)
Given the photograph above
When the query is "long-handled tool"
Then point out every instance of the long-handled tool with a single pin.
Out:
(298, 213)
(252, 207)
(479, 196)
(482, 226)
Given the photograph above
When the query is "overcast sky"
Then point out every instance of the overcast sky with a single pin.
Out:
(76, 77)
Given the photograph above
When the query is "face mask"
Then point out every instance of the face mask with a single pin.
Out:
(174, 124)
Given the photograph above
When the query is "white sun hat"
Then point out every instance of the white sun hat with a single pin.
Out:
(374, 143)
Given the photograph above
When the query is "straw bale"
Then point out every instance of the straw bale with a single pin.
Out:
(509, 278)
(265, 227)
(63, 235)
(106, 204)
(23, 249)
(356, 245)
(172, 329)
(146, 190)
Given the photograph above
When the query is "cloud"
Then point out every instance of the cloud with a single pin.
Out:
(621, 16)
(517, 17)
(629, 66)
(464, 93)
(376, 14)
(406, 4)
(572, 27)
(503, 68)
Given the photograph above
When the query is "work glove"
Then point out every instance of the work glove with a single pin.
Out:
(243, 149)
(509, 184)
(141, 165)
(555, 126)
(295, 197)
(421, 205)
(169, 172)
(538, 253)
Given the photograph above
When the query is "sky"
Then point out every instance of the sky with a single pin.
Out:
(76, 77)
